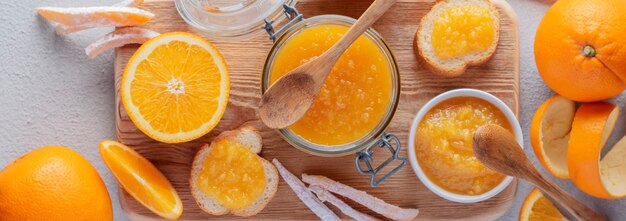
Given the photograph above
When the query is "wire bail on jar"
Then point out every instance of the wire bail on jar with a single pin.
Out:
(365, 156)
(291, 13)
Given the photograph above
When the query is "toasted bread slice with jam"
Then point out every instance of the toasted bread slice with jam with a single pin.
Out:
(248, 137)
(457, 33)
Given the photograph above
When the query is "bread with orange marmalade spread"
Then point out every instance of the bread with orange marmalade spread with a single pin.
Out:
(248, 137)
(445, 23)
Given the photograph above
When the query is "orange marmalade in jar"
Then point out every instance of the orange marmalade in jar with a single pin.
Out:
(359, 96)
(443, 145)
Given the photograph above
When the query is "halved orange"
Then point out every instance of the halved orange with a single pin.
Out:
(550, 133)
(537, 207)
(592, 127)
(141, 179)
(175, 87)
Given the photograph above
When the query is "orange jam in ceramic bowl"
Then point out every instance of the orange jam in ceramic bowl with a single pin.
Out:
(359, 96)
(440, 145)
(443, 145)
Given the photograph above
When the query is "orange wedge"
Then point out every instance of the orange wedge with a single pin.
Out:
(141, 179)
(537, 207)
(175, 87)
(118, 38)
(549, 134)
(96, 16)
(592, 126)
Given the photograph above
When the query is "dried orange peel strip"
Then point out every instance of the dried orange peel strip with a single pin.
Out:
(62, 29)
(129, 3)
(324, 195)
(89, 17)
(118, 38)
(592, 126)
(321, 210)
(377, 205)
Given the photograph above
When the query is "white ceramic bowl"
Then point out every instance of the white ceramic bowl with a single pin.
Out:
(438, 99)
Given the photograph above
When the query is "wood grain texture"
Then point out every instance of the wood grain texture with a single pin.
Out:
(499, 76)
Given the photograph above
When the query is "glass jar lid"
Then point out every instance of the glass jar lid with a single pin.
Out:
(232, 20)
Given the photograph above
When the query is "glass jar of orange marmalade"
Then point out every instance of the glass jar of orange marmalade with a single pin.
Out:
(359, 96)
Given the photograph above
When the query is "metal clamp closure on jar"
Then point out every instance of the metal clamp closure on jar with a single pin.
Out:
(383, 139)
(291, 13)
(366, 155)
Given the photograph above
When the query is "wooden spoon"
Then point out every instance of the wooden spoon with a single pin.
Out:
(289, 98)
(497, 149)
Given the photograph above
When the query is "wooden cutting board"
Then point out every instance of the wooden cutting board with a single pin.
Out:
(499, 76)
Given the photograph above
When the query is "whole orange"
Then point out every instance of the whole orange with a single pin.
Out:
(580, 48)
(53, 183)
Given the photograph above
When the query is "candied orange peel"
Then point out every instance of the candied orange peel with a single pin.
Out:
(119, 38)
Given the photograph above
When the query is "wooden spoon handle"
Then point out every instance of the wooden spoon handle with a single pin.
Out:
(571, 204)
(371, 15)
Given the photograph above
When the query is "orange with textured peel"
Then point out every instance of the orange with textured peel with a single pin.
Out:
(175, 87)
(549, 134)
(141, 179)
(537, 207)
(592, 126)
(580, 48)
(53, 183)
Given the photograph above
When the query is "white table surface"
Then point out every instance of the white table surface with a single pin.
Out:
(52, 94)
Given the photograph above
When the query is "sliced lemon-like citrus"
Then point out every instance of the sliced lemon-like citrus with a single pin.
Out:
(175, 87)
(141, 179)
(549, 134)
(537, 207)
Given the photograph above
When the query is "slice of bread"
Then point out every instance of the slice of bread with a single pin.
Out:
(451, 67)
(249, 137)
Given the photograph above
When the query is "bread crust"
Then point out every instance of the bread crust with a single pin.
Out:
(440, 69)
(271, 175)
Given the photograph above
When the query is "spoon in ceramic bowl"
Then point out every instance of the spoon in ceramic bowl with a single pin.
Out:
(497, 149)
(291, 96)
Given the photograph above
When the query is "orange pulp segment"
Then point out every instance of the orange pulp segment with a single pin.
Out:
(141, 179)
(462, 30)
(537, 207)
(443, 145)
(175, 87)
(232, 174)
(356, 94)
